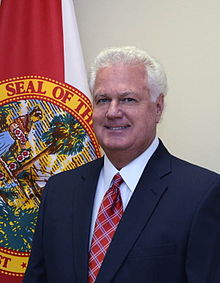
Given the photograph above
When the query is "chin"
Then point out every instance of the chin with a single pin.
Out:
(114, 147)
(112, 143)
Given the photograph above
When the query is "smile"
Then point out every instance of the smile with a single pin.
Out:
(117, 128)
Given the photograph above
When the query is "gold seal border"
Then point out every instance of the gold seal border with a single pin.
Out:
(11, 262)
(86, 125)
(66, 85)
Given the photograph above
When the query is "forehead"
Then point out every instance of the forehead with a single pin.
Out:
(129, 76)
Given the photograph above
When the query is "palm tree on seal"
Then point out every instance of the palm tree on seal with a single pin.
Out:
(64, 136)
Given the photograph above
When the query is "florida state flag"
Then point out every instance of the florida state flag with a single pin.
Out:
(45, 116)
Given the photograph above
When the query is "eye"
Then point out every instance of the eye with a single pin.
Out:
(129, 99)
(102, 100)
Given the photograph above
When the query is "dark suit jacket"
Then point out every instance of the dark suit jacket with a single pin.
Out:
(169, 232)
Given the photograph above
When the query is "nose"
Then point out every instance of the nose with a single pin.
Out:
(114, 110)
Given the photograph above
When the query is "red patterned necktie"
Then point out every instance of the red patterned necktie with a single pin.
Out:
(109, 215)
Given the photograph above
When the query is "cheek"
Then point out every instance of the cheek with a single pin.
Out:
(97, 118)
(147, 122)
(95, 115)
(99, 112)
(151, 115)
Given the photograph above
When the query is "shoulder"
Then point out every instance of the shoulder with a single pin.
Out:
(65, 177)
(197, 182)
(192, 172)
(64, 184)
(87, 168)
(181, 171)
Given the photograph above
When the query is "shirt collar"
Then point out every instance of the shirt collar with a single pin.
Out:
(132, 172)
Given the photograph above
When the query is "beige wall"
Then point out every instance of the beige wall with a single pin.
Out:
(185, 36)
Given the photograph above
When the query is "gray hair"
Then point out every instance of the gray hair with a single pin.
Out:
(129, 55)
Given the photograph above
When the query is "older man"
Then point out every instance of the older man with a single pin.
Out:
(139, 214)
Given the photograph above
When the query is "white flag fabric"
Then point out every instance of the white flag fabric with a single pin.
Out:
(75, 73)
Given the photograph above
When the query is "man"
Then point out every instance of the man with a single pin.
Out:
(158, 224)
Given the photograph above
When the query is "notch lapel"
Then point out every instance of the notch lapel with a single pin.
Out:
(82, 213)
(150, 189)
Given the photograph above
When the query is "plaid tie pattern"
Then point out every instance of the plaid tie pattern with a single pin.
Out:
(109, 215)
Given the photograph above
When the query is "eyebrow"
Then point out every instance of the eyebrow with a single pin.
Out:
(122, 94)
(126, 93)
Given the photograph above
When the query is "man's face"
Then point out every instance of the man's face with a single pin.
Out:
(124, 117)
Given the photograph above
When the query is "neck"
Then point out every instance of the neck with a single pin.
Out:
(120, 159)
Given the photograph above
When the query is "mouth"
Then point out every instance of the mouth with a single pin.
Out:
(118, 128)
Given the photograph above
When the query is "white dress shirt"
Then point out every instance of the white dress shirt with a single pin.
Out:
(131, 174)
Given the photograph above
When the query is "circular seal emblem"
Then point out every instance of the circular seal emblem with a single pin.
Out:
(45, 128)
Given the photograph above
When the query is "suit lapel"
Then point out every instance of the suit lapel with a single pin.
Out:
(82, 213)
(145, 198)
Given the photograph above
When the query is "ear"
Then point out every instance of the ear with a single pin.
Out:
(159, 106)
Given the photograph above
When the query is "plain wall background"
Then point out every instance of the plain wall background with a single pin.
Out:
(185, 36)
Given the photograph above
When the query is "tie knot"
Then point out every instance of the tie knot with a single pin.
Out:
(117, 180)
